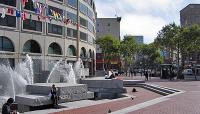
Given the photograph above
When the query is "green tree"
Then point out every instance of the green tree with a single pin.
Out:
(110, 48)
(151, 56)
(128, 48)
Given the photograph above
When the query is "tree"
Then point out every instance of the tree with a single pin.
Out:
(151, 56)
(128, 47)
(169, 40)
(110, 48)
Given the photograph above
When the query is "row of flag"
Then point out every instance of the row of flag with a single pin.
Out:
(39, 8)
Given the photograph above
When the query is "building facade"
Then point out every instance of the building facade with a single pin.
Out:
(48, 30)
(107, 26)
(190, 15)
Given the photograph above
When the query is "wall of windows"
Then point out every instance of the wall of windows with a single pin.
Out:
(83, 22)
(83, 36)
(8, 2)
(8, 20)
(90, 14)
(72, 33)
(72, 17)
(90, 27)
(83, 8)
(72, 3)
(32, 25)
(55, 29)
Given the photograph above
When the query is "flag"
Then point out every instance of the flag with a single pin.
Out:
(10, 11)
(18, 13)
(23, 16)
(38, 18)
(3, 13)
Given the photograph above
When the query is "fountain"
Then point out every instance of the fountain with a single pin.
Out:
(13, 81)
(62, 72)
(79, 69)
(62, 76)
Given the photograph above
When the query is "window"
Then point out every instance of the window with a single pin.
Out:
(72, 3)
(83, 52)
(8, 20)
(71, 50)
(8, 2)
(54, 48)
(90, 14)
(32, 25)
(6, 44)
(29, 5)
(90, 39)
(72, 16)
(83, 22)
(90, 27)
(83, 36)
(32, 47)
(55, 29)
(59, 0)
(72, 33)
(108, 24)
(83, 8)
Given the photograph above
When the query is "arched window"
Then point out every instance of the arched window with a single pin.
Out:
(31, 46)
(83, 52)
(71, 50)
(54, 48)
(90, 53)
(6, 44)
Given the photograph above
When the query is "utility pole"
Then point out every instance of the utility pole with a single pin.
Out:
(78, 33)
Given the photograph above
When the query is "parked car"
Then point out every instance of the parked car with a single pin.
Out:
(187, 72)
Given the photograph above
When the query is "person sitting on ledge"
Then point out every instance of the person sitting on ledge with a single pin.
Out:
(6, 107)
(111, 76)
(54, 96)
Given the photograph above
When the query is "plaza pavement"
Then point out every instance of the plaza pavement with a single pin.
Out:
(145, 102)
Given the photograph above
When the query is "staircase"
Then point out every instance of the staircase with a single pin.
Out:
(158, 89)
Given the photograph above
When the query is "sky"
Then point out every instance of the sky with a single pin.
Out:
(143, 17)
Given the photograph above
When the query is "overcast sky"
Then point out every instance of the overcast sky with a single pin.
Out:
(143, 17)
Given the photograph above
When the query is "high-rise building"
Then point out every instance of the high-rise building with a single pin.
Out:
(48, 30)
(138, 39)
(108, 26)
(104, 27)
(190, 15)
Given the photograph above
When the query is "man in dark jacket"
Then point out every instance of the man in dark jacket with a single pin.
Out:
(6, 106)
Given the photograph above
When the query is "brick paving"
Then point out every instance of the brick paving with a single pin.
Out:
(184, 103)
(141, 96)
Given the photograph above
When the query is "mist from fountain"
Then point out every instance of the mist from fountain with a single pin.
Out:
(79, 69)
(13, 82)
(62, 72)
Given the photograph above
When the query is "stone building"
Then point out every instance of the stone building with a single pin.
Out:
(48, 30)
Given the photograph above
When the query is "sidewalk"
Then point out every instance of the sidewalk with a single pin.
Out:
(145, 102)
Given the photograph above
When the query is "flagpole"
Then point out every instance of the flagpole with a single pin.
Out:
(78, 32)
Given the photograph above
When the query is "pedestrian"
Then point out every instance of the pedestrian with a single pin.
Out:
(6, 107)
(54, 96)
(146, 75)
